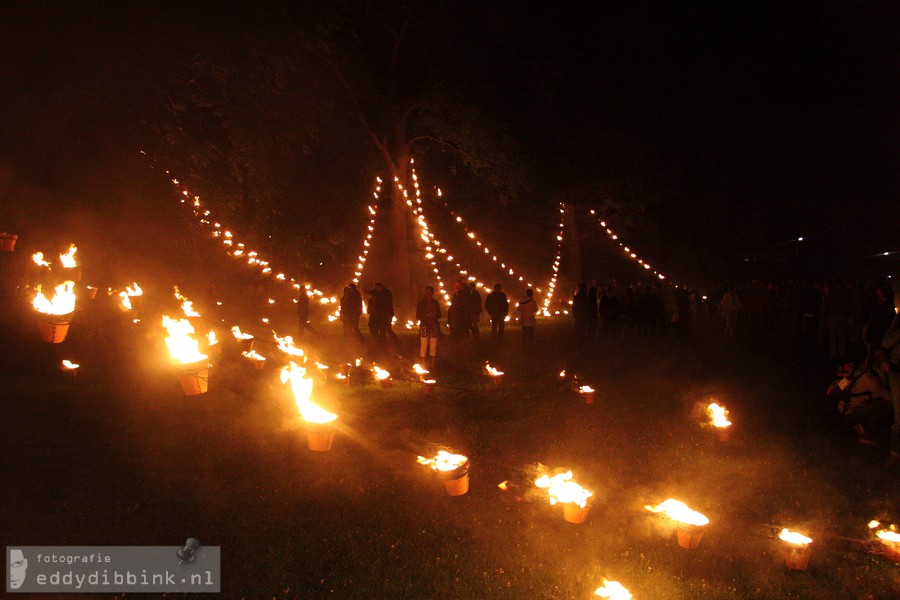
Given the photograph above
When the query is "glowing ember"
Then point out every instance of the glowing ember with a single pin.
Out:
(38, 258)
(238, 334)
(380, 374)
(419, 369)
(68, 365)
(254, 355)
(211, 338)
(62, 302)
(503, 485)
(560, 488)
(444, 461)
(562, 374)
(68, 259)
(358, 362)
(792, 537)
(680, 512)
(182, 347)
(302, 389)
(492, 371)
(718, 415)
(613, 590)
(586, 389)
(134, 291)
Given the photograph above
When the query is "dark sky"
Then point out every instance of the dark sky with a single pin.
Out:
(747, 123)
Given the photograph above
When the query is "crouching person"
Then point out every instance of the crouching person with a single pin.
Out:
(864, 402)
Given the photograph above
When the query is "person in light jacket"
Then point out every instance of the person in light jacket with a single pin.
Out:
(527, 310)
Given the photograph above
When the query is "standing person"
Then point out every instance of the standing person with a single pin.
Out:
(474, 309)
(428, 314)
(351, 310)
(880, 317)
(527, 310)
(381, 315)
(580, 310)
(593, 307)
(729, 307)
(497, 306)
(457, 314)
(891, 347)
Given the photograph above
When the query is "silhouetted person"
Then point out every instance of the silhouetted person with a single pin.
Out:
(381, 315)
(302, 315)
(351, 310)
(474, 309)
(580, 311)
(497, 306)
(458, 313)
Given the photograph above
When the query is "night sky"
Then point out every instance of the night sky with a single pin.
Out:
(741, 126)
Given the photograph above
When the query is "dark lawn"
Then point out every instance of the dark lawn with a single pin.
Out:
(118, 456)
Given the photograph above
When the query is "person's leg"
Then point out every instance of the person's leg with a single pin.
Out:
(501, 327)
(423, 346)
(432, 352)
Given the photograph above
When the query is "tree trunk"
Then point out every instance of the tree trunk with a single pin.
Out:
(400, 278)
(574, 241)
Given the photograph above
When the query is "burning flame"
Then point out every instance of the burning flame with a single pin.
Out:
(68, 259)
(38, 258)
(718, 415)
(187, 307)
(254, 355)
(182, 347)
(503, 485)
(419, 369)
(237, 333)
(134, 291)
(562, 374)
(380, 374)
(681, 512)
(613, 590)
(321, 367)
(286, 345)
(561, 488)
(302, 389)
(62, 302)
(792, 537)
(888, 534)
(211, 338)
(126, 300)
(492, 371)
(69, 365)
(444, 461)
(586, 389)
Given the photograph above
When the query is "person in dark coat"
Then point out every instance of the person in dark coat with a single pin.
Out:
(381, 314)
(593, 308)
(474, 310)
(580, 310)
(458, 313)
(302, 314)
(351, 311)
(497, 306)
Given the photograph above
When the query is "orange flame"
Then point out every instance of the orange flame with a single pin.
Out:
(38, 258)
(794, 538)
(183, 348)
(69, 365)
(561, 488)
(492, 371)
(613, 590)
(62, 302)
(680, 512)
(302, 389)
(238, 334)
(444, 461)
(718, 415)
(68, 259)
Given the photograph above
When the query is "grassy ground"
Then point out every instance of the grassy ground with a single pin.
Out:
(117, 456)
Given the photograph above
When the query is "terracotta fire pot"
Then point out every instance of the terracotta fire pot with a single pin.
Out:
(91, 292)
(497, 379)
(194, 378)
(574, 513)
(723, 434)
(247, 345)
(344, 369)
(428, 387)
(456, 482)
(796, 558)
(54, 328)
(319, 438)
(387, 382)
(588, 397)
(8, 242)
(689, 536)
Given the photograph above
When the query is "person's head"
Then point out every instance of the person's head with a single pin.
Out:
(458, 285)
(884, 291)
(472, 286)
(429, 291)
(496, 287)
(352, 286)
(580, 288)
(379, 287)
(18, 564)
(529, 293)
